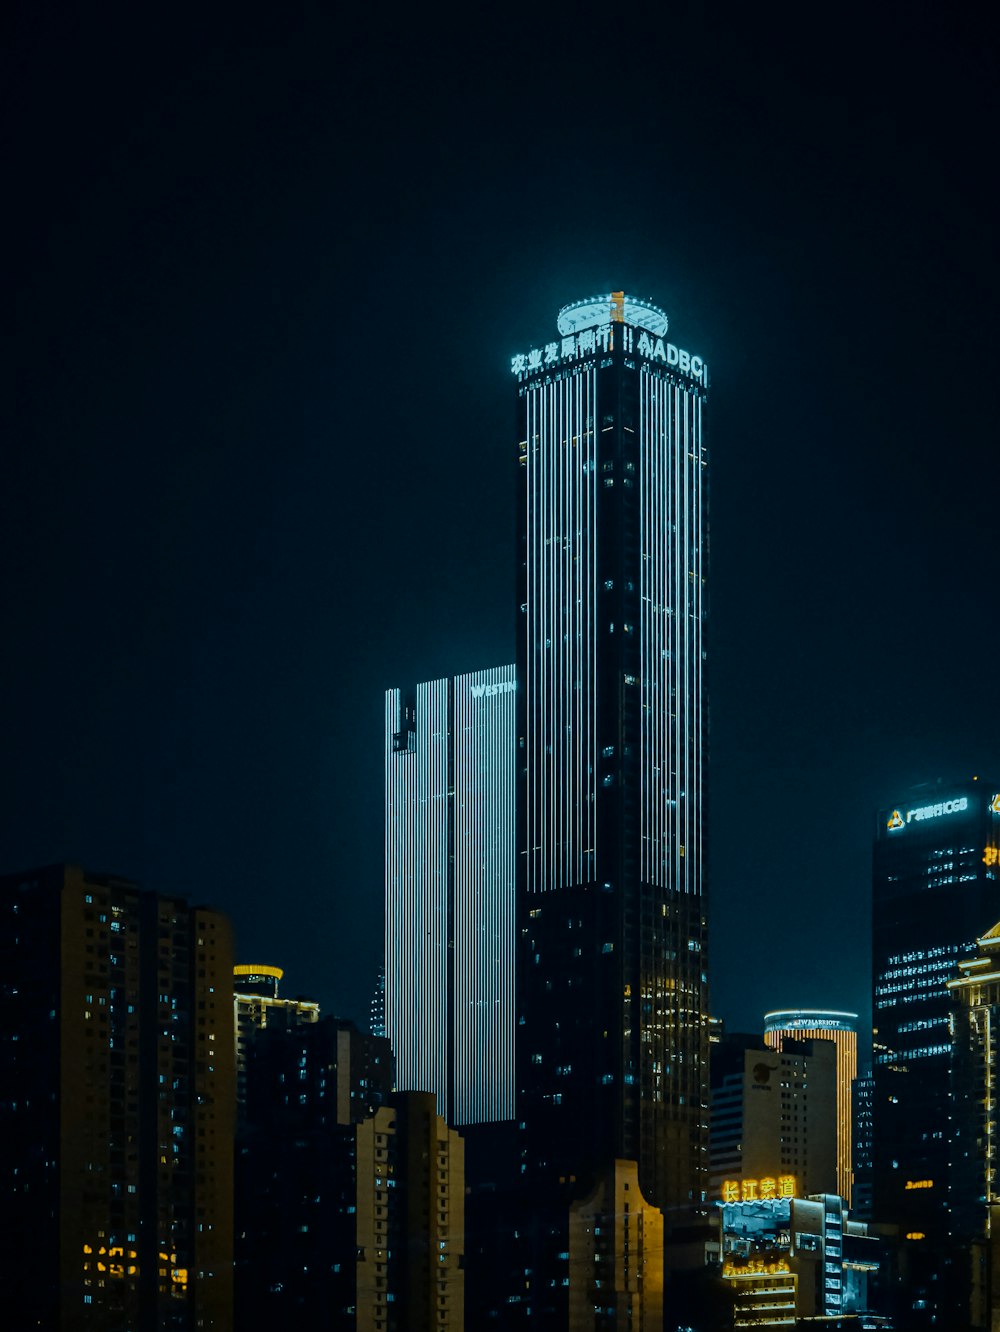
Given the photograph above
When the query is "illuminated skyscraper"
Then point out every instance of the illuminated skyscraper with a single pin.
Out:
(612, 721)
(449, 892)
(936, 889)
(842, 1030)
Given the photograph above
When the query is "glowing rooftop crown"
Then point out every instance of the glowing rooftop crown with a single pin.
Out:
(616, 307)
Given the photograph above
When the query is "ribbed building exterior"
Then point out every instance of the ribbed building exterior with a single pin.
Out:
(449, 892)
(612, 743)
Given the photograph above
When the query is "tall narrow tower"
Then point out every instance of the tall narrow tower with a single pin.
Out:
(612, 728)
(449, 892)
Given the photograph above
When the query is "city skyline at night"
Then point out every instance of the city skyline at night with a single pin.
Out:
(603, 681)
(233, 438)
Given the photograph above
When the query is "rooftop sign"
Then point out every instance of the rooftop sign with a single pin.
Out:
(921, 813)
(590, 326)
(758, 1190)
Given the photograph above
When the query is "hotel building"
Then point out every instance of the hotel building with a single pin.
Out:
(774, 1117)
(842, 1030)
(449, 892)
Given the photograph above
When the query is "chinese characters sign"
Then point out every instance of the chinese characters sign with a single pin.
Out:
(589, 341)
(758, 1190)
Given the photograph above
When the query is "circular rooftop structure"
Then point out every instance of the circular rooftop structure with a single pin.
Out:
(257, 979)
(273, 973)
(809, 1019)
(615, 307)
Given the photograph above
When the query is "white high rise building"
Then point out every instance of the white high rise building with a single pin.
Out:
(449, 892)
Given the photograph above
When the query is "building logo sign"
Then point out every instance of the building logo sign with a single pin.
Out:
(758, 1190)
(489, 690)
(995, 804)
(589, 341)
(654, 349)
(923, 812)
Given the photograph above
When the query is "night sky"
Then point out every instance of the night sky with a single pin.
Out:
(264, 274)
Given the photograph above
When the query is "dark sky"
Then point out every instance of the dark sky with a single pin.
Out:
(264, 274)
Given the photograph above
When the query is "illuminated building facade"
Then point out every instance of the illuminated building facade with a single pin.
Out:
(773, 1117)
(255, 999)
(842, 1030)
(117, 1110)
(410, 1220)
(791, 1259)
(611, 725)
(449, 892)
(936, 888)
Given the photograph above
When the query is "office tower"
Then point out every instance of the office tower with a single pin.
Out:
(842, 1030)
(308, 1086)
(935, 890)
(449, 892)
(117, 1110)
(255, 1000)
(773, 1118)
(616, 1256)
(410, 1219)
(611, 725)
